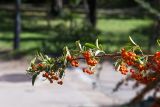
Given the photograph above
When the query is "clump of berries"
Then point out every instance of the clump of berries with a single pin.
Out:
(51, 76)
(156, 62)
(47, 73)
(139, 67)
(90, 60)
(88, 57)
(73, 61)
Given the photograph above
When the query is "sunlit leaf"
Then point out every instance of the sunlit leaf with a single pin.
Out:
(33, 60)
(66, 51)
(89, 45)
(97, 44)
(99, 52)
(79, 45)
(101, 47)
(132, 41)
(141, 60)
(40, 56)
(117, 64)
(158, 42)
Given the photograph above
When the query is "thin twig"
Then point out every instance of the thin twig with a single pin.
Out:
(112, 56)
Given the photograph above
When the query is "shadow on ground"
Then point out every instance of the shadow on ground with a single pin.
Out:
(15, 78)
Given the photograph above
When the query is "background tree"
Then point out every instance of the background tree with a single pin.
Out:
(56, 7)
(92, 12)
(17, 28)
(154, 11)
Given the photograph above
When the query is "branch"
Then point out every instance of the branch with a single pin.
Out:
(148, 7)
(143, 92)
(113, 56)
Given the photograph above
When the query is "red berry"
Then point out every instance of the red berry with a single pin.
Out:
(55, 77)
(60, 82)
(69, 58)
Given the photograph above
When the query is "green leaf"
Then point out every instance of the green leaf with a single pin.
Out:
(29, 70)
(117, 64)
(97, 44)
(140, 61)
(40, 56)
(67, 51)
(132, 41)
(99, 52)
(79, 45)
(101, 47)
(33, 60)
(158, 42)
(89, 45)
(34, 78)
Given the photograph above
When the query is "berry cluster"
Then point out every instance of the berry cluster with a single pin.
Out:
(156, 62)
(89, 58)
(51, 76)
(123, 68)
(73, 61)
(38, 67)
(131, 63)
(128, 57)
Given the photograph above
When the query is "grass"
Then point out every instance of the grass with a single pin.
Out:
(116, 32)
(35, 31)
(121, 25)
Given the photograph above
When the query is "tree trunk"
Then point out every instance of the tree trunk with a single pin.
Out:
(17, 28)
(56, 7)
(156, 34)
(92, 12)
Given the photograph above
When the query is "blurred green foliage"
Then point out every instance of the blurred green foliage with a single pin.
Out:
(51, 35)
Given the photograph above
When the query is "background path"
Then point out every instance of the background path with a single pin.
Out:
(77, 91)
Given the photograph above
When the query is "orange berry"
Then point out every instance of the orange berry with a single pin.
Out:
(55, 77)
(40, 65)
(34, 67)
(95, 62)
(84, 69)
(89, 61)
(153, 78)
(132, 70)
(45, 75)
(77, 65)
(69, 58)
(157, 54)
(87, 54)
(73, 63)
(89, 72)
